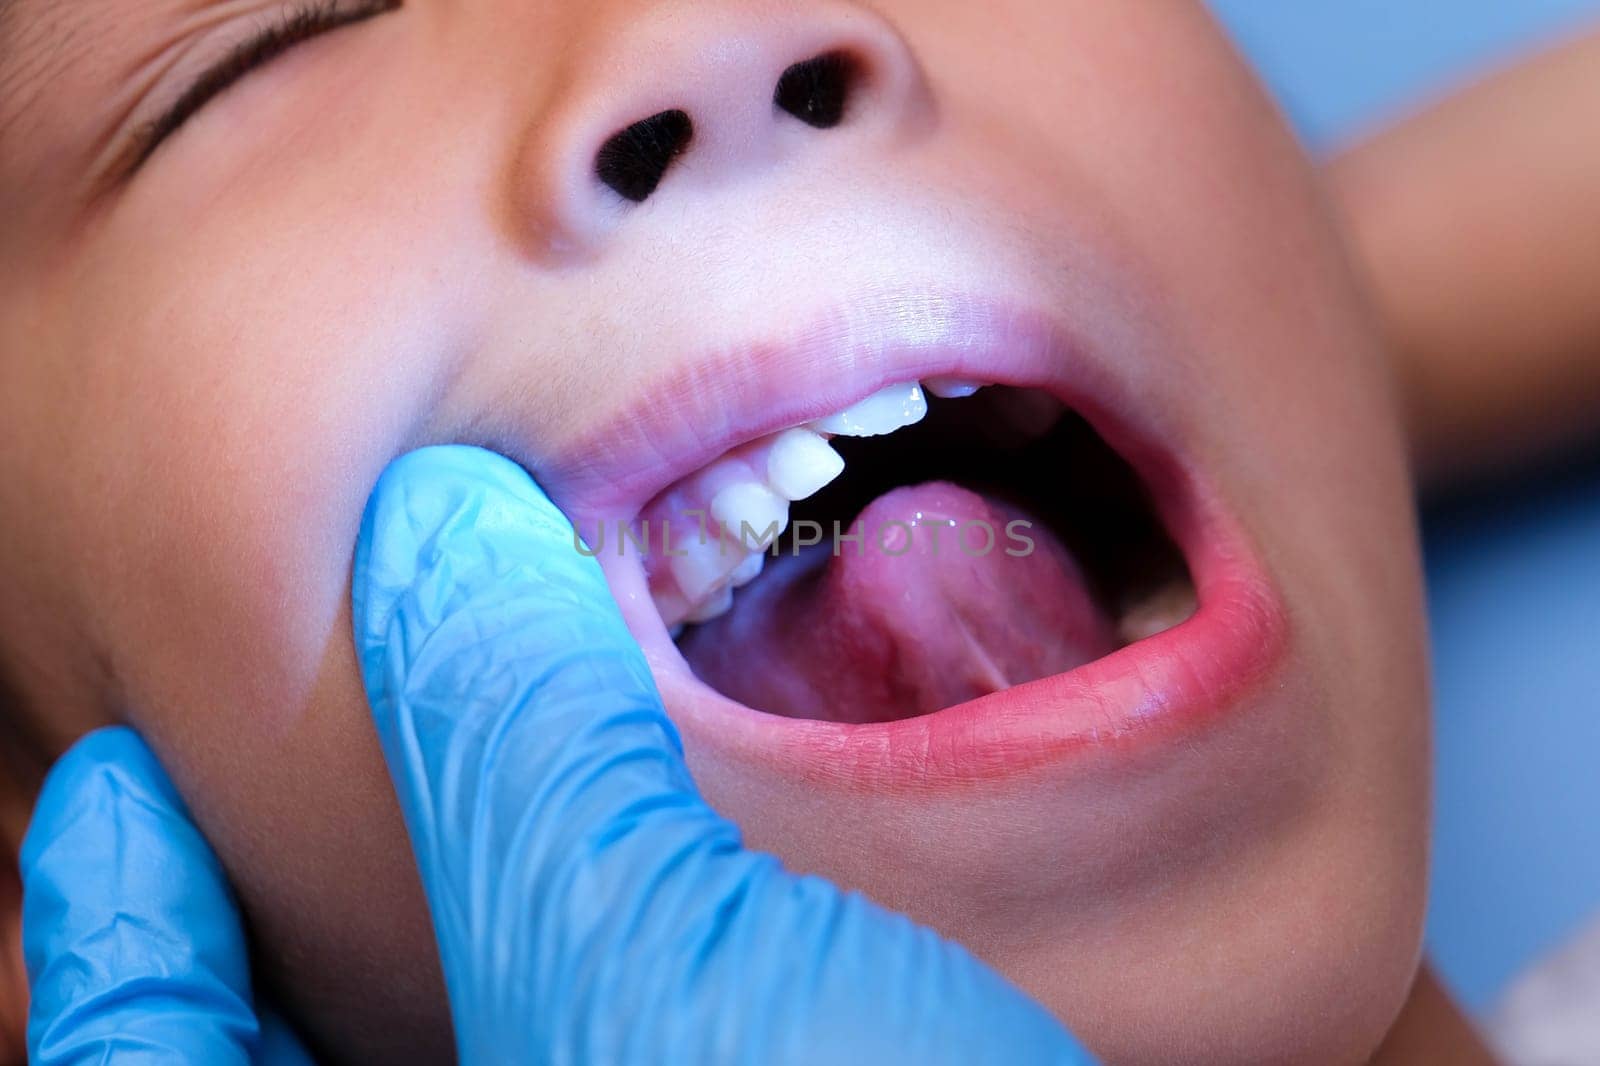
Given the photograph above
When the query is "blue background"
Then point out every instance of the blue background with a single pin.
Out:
(1514, 572)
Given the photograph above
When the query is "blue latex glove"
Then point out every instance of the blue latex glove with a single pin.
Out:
(134, 949)
(589, 906)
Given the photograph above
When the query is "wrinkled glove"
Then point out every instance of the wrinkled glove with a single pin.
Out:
(590, 907)
(134, 947)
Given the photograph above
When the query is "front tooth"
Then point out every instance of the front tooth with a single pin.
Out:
(801, 463)
(748, 570)
(883, 412)
(700, 565)
(952, 388)
(748, 507)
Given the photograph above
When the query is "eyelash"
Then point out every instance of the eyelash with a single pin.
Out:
(289, 28)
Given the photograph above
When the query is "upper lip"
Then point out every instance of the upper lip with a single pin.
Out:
(735, 395)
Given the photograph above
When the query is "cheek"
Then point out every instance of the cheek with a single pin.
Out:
(223, 444)
(237, 389)
(229, 531)
(230, 638)
(234, 650)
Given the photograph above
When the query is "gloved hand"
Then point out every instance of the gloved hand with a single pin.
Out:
(134, 949)
(589, 906)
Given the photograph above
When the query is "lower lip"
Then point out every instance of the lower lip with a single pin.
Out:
(1161, 690)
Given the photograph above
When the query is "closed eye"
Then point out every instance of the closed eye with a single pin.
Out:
(289, 28)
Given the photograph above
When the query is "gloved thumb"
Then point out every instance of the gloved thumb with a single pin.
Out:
(589, 905)
(520, 723)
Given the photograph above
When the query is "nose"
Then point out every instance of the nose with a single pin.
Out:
(693, 96)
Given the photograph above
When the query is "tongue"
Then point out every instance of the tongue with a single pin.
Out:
(948, 596)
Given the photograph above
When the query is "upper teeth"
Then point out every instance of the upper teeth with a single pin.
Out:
(801, 463)
(751, 514)
(952, 388)
(747, 495)
(883, 412)
(748, 570)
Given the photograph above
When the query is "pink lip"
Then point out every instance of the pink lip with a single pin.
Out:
(1157, 689)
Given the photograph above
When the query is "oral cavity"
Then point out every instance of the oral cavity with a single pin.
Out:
(928, 616)
(999, 541)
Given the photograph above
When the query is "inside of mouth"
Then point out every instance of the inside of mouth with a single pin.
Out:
(998, 541)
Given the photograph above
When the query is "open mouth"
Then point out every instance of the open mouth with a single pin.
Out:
(966, 541)
(963, 549)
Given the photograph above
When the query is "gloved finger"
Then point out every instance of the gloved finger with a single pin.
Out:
(589, 905)
(502, 683)
(134, 949)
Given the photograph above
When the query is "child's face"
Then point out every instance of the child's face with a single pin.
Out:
(393, 235)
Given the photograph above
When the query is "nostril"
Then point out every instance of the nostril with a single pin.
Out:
(816, 91)
(633, 161)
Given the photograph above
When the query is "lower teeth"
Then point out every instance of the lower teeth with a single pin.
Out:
(1158, 611)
